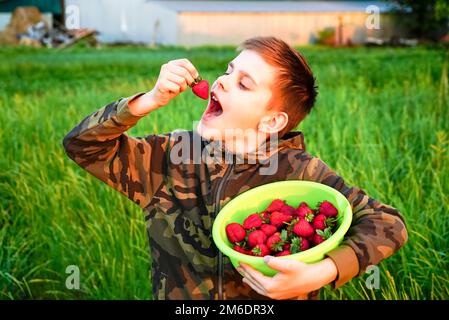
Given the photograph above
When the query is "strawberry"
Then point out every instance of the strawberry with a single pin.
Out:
(320, 236)
(265, 216)
(200, 88)
(275, 205)
(321, 222)
(235, 232)
(282, 253)
(299, 244)
(303, 228)
(260, 250)
(274, 242)
(252, 221)
(268, 229)
(327, 209)
(242, 250)
(303, 210)
(277, 219)
(286, 246)
(287, 209)
(256, 237)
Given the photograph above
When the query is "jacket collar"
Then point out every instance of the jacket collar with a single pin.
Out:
(220, 154)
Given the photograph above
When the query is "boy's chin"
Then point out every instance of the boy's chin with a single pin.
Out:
(207, 132)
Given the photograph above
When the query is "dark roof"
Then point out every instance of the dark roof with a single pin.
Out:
(53, 6)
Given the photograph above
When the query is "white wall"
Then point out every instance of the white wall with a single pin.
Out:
(198, 28)
(127, 21)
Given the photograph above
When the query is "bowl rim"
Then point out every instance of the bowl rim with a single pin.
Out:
(304, 255)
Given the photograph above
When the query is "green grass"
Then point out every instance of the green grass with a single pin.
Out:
(380, 122)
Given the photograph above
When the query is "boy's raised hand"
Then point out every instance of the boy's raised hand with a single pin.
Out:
(175, 77)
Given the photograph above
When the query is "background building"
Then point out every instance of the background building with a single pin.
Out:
(192, 23)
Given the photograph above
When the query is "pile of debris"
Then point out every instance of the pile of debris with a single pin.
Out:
(28, 27)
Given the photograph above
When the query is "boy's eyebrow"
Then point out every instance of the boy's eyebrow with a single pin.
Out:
(231, 64)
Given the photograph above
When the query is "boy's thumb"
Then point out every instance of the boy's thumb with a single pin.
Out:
(280, 264)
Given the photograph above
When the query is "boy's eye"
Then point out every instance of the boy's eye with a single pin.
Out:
(242, 86)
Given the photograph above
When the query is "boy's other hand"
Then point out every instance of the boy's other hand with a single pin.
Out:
(175, 77)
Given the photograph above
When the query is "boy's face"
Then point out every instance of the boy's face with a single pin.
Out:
(243, 93)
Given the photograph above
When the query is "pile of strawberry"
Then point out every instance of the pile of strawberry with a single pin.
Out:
(282, 229)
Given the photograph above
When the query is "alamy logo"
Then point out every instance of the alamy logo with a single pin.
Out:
(72, 282)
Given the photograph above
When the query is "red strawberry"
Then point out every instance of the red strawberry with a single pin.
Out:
(274, 242)
(286, 246)
(261, 250)
(299, 244)
(303, 228)
(303, 210)
(321, 222)
(268, 229)
(201, 88)
(235, 232)
(321, 235)
(242, 250)
(275, 205)
(256, 237)
(328, 209)
(283, 253)
(287, 209)
(252, 221)
(277, 219)
(265, 215)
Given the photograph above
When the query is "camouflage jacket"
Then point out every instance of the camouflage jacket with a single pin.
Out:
(181, 198)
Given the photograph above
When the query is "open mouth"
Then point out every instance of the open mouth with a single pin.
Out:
(214, 108)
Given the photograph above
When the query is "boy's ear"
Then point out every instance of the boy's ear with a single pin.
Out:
(273, 123)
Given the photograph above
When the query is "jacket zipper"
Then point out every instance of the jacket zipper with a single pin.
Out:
(217, 209)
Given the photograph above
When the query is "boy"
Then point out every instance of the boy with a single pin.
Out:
(268, 89)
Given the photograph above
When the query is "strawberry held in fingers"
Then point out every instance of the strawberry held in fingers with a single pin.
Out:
(200, 88)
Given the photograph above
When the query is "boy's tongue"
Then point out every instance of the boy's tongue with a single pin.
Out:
(213, 110)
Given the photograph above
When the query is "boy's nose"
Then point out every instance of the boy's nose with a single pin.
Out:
(222, 84)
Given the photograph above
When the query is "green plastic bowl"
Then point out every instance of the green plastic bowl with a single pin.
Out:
(293, 192)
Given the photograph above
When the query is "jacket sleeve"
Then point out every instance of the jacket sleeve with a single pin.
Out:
(132, 166)
(377, 230)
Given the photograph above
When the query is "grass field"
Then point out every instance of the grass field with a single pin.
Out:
(381, 121)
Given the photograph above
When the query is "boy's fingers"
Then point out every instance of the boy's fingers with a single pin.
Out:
(180, 81)
(254, 286)
(189, 66)
(171, 86)
(181, 72)
(284, 265)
